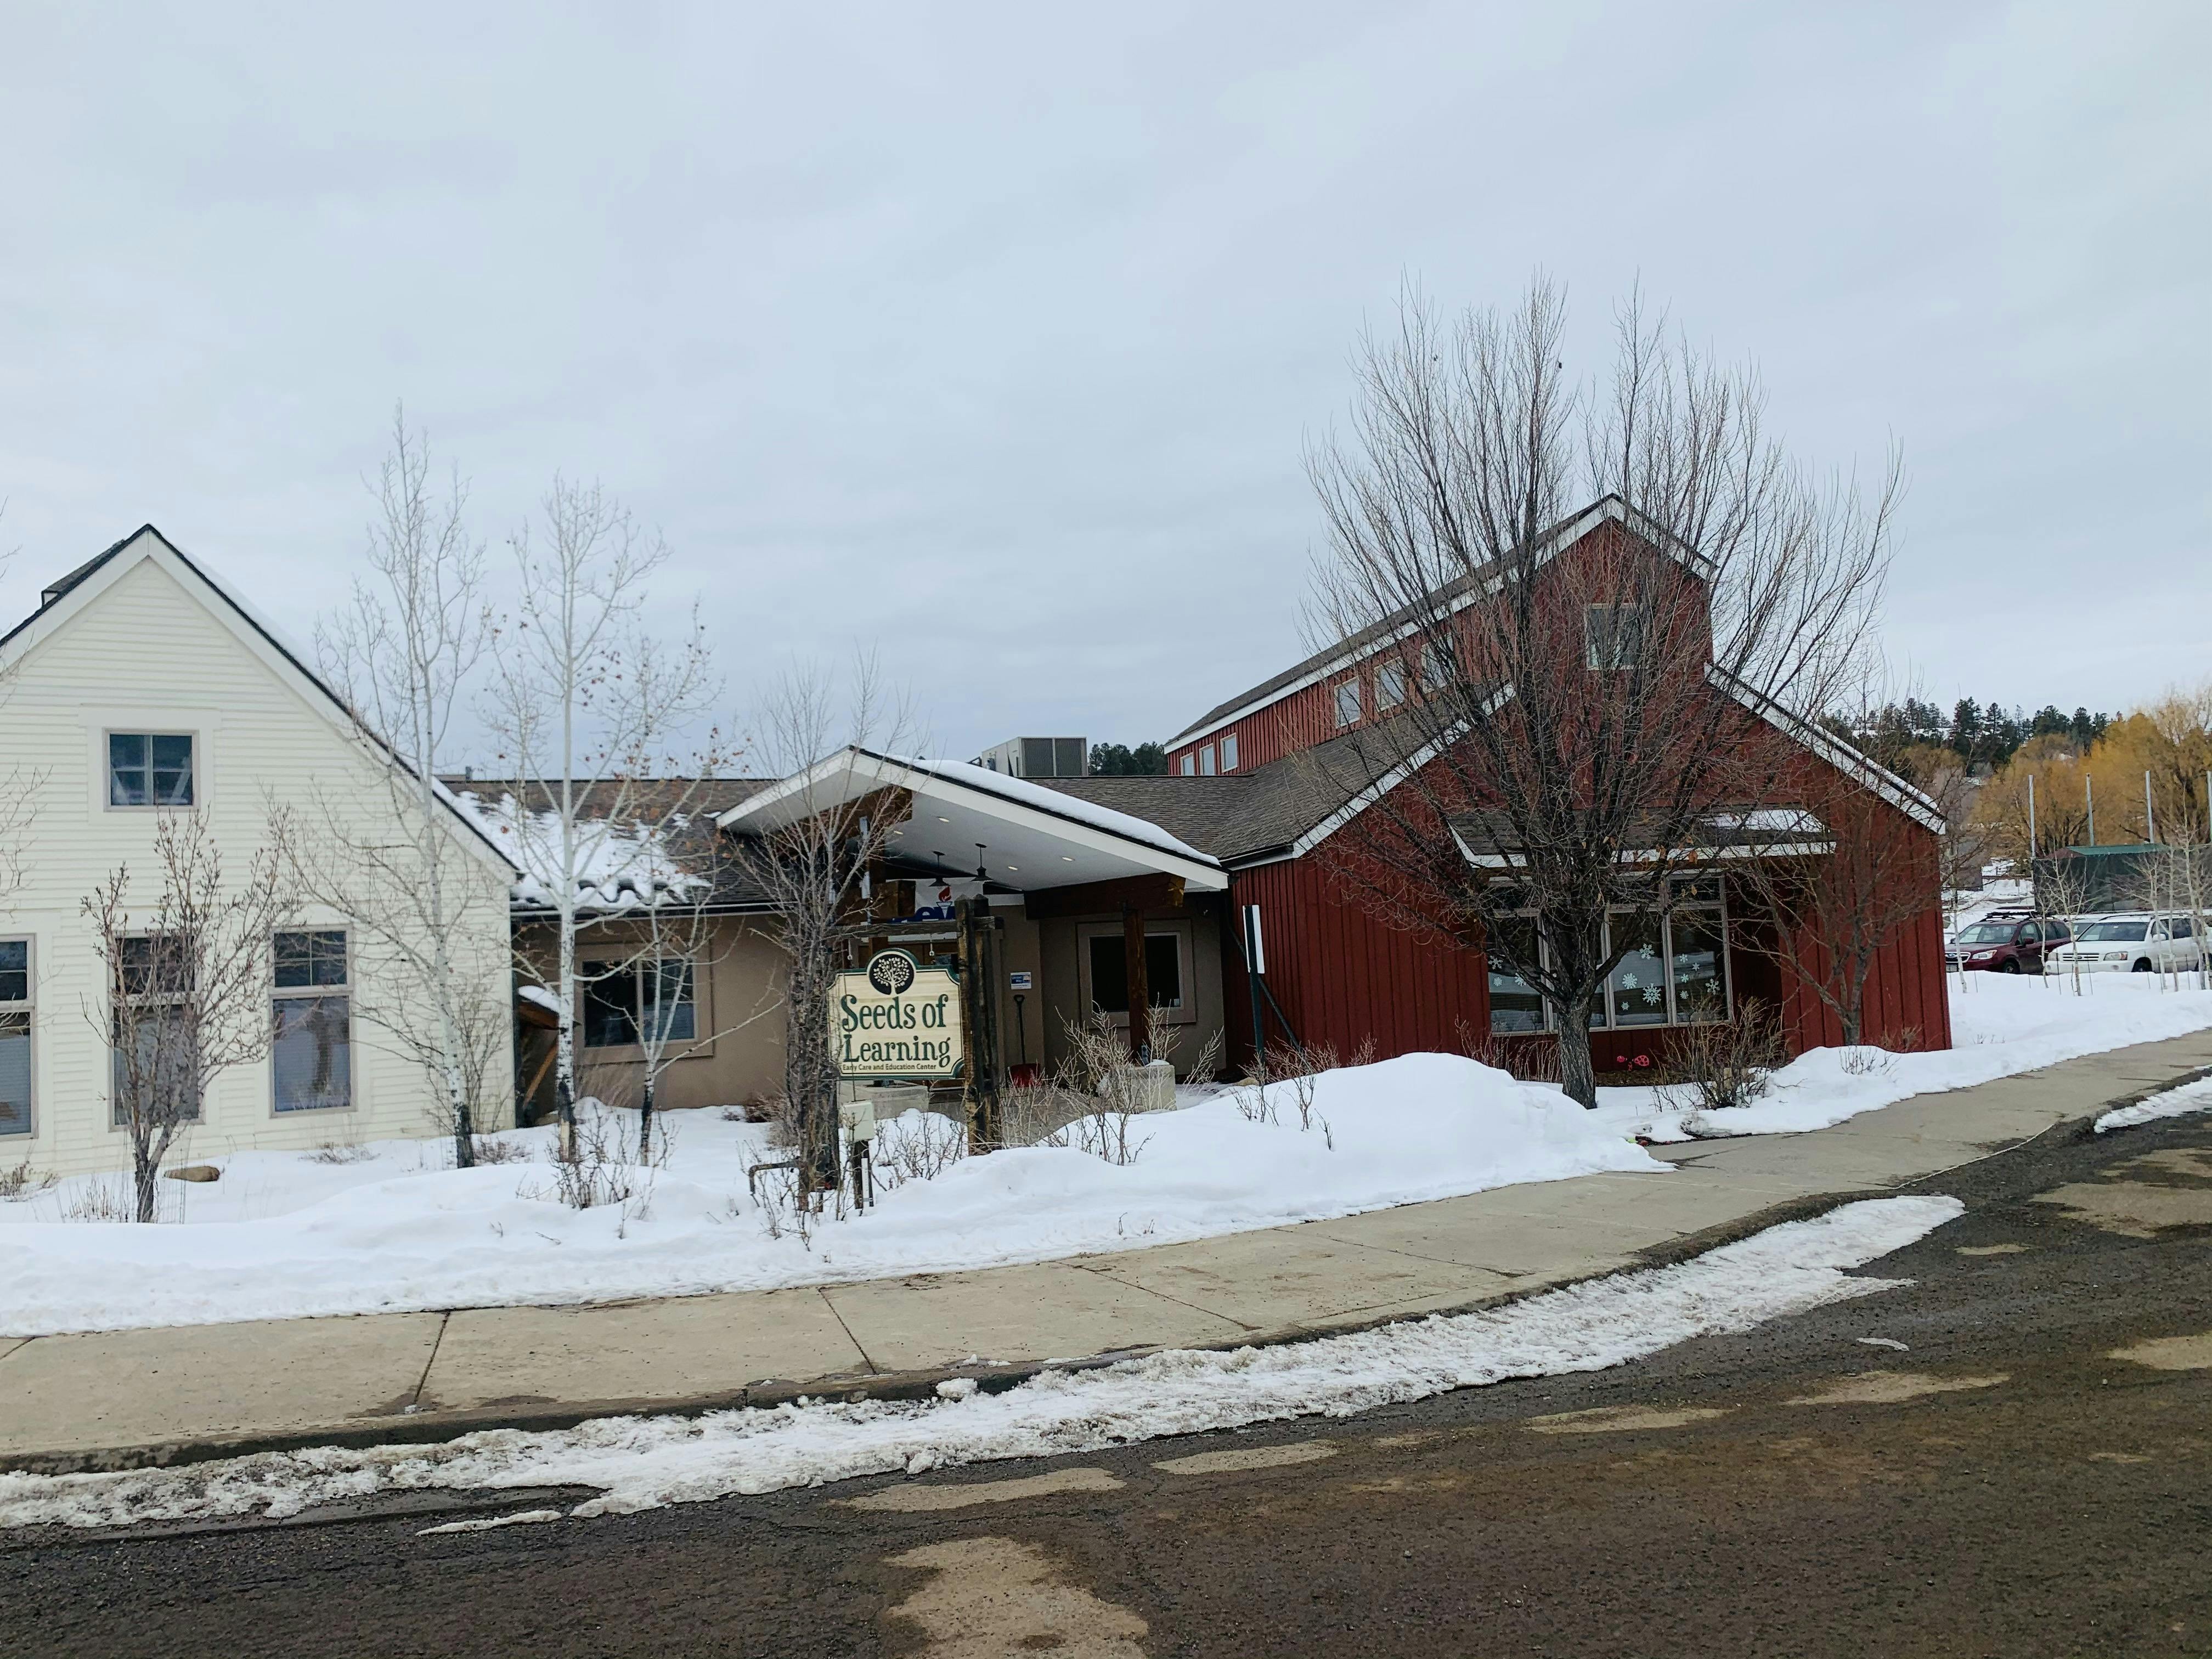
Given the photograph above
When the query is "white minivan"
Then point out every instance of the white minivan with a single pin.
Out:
(2138, 942)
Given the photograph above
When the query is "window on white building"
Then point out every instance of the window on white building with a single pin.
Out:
(150, 768)
(311, 1062)
(15, 1037)
(154, 1051)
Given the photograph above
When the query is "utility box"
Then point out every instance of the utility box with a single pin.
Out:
(1039, 758)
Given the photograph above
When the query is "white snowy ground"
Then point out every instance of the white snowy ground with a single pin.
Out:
(283, 1236)
(2001, 1024)
(643, 1463)
(2173, 1102)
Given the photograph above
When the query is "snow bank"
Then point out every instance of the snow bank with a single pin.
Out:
(283, 1236)
(640, 1463)
(2001, 1026)
(2173, 1102)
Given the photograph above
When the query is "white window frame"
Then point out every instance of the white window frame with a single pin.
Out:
(1190, 766)
(1346, 694)
(106, 768)
(116, 1122)
(26, 1009)
(1602, 1020)
(1186, 1014)
(311, 992)
(1390, 686)
(1229, 751)
(1206, 761)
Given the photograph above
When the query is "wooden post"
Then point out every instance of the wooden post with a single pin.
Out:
(1140, 990)
(979, 1008)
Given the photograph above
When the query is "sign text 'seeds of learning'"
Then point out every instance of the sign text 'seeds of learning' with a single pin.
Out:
(896, 1019)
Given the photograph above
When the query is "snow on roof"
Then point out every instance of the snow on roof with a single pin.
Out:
(617, 867)
(543, 998)
(1039, 799)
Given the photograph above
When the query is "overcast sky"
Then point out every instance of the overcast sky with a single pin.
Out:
(993, 335)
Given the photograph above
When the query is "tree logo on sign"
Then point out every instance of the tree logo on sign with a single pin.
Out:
(891, 972)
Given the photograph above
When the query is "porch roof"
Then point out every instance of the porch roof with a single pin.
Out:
(967, 819)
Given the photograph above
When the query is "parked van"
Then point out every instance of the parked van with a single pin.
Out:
(2140, 942)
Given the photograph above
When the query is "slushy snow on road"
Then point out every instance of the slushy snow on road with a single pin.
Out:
(642, 1463)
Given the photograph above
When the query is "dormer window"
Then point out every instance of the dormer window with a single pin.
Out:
(150, 768)
(1347, 703)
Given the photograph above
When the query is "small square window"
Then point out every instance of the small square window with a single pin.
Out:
(1228, 753)
(1205, 761)
(307, 959)
(150, 768)
(1347, 703)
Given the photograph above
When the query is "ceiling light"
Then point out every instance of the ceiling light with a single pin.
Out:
(944, 820)
(1067, 858)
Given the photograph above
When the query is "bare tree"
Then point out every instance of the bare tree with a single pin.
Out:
(1862, 879)
(590, 710)
(402, 653)
(187, 982)
(674, 935)
(1556, 733)
(814, 871)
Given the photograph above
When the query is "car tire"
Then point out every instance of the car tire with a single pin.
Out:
(2143, 967)
(2011, 965)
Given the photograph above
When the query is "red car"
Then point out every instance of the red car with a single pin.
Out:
(2005, 942)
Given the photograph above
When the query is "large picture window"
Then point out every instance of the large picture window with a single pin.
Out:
(150, 768)
(312, 1059)
(1673, 970)
(15, 1037)
(624, 1001)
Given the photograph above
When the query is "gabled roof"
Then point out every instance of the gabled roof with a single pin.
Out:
(83, 586)
(1457, 594)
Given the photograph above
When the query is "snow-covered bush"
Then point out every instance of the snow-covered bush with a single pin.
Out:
(917, 1145)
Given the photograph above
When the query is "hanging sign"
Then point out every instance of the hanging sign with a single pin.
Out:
(896, 1019)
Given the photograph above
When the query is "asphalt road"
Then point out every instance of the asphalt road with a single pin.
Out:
(2001, 1485)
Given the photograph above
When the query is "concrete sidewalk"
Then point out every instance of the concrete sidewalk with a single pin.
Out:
(131, 1398)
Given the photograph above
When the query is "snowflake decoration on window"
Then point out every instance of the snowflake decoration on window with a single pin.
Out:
(1651, 996)
(1628, 982)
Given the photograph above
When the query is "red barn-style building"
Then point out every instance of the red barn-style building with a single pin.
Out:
(1265, 782)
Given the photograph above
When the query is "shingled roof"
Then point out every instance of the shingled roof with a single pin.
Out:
(1248, 817)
